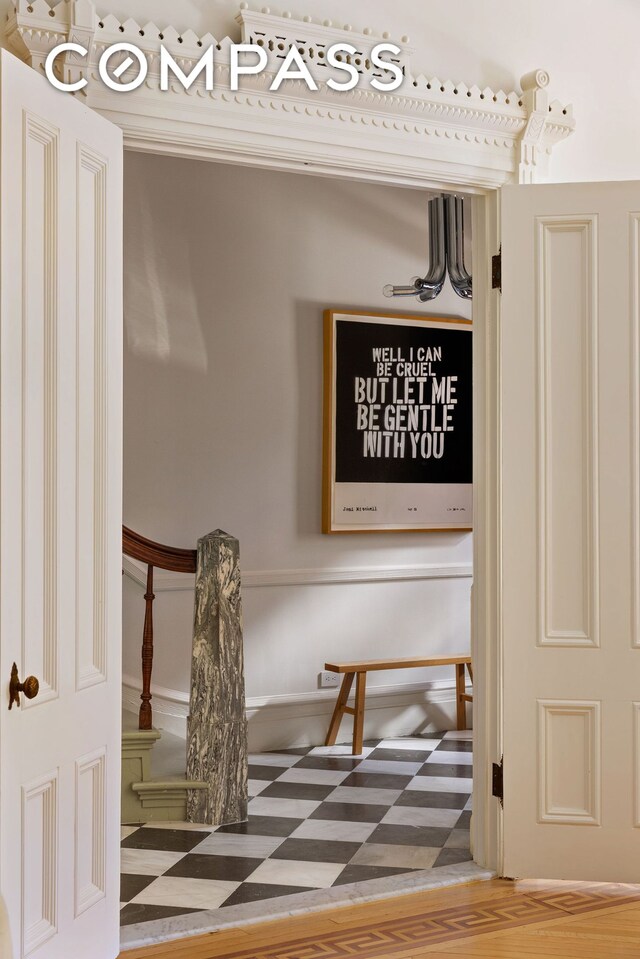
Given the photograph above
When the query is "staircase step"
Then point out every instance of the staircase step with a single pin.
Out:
(165, 799)
(154, 785)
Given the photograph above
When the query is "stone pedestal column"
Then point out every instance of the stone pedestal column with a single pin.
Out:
(217, 725)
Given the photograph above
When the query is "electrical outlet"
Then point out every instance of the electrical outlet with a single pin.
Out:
(326, 678)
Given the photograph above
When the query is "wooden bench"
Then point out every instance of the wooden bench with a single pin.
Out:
(360, 670)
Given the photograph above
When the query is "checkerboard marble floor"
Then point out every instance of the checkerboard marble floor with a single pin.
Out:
(318, 817)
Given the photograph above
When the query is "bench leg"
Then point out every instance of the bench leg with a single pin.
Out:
(338, 712)
(358, 718)
(461, 706)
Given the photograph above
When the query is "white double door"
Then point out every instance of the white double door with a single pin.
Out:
(60, 519)
(569, 523)
(570, 530)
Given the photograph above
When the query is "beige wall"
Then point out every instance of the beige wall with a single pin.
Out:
(227, 271)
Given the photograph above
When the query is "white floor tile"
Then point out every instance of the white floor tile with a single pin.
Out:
(148, 862)
(441, 784)
(337, 831)
(458, 839)
(126, 831)
(289, 808)
(459, 734)
(341, 750)
(418, 816)
(469, 804)
(409, 743)
(190, 893)
(273, 759)
(232, 844)
(293, 872)
(390, 768)
(411, 857)
(364, 794)
(256, 786)
(444, 756)
(321, 777)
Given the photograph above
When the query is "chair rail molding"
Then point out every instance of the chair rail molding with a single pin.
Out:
(429, 131)
(326, 576)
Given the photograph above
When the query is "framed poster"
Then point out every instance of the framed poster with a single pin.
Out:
(397, 423)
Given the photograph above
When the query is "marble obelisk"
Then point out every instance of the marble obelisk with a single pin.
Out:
(217, 724)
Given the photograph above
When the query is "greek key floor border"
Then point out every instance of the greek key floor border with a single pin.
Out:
(442, 925)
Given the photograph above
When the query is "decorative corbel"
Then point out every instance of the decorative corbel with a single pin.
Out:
(533, 152)
(82, 30)
(34, 28)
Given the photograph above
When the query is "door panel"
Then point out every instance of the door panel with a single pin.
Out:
(570, 530)
(60, 517)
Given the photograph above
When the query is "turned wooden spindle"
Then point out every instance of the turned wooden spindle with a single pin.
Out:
(145, 718)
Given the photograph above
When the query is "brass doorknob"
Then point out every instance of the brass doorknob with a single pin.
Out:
(30, 687)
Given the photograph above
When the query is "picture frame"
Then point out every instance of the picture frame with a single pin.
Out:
(397, 423)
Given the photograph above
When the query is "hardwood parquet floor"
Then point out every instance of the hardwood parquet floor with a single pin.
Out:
(499, 919)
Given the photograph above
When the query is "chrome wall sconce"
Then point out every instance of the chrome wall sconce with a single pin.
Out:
(446, 251)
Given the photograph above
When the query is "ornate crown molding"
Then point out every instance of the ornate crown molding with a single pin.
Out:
(427, 130)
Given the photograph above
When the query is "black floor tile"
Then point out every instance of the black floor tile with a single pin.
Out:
(255, 891)
(391, 835)
(316, 850)
(131, 885)
(465, 820)
(203, 866)
(354, 873)
(335, 763)
(450, 770)
(263, 826)
(400, 755)
(351, 812)
(282, 790)
(138, 912)
(456, 746)
(167, 840)
(450, 856)
(294, 751)
(433, 800)
(266, 772)
(377, 781)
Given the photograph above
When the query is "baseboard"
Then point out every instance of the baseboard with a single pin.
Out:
(164, 580)
(301, 719)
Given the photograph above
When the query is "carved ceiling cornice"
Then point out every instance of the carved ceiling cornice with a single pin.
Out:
(428, 128)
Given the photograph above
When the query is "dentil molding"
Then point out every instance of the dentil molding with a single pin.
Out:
(427, 132)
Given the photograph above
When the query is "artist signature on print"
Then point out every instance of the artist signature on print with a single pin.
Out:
(359, 509)
(456, 509)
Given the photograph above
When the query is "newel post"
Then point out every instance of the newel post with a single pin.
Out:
(217, 724)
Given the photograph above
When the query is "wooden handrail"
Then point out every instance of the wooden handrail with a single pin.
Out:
(155, 554)
(164, 557)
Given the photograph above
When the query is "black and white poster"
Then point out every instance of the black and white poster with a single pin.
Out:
(398, 423)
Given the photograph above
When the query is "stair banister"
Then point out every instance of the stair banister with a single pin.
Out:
(163, 557)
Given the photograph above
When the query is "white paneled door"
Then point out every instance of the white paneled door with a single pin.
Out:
(60, 518)
(570, 465)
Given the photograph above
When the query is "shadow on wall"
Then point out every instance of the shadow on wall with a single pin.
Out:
(162, 318)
